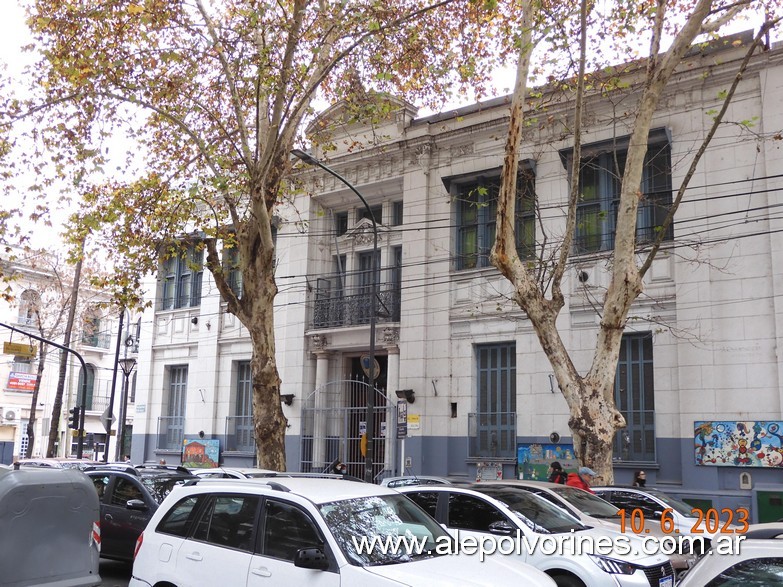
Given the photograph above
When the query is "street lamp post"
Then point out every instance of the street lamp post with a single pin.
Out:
(127, 365)
(370, 447)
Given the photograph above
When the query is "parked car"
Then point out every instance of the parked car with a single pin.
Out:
(593, 511)
(495, 511)
(404, 481)
(757, 562)
(305, 531)
(58, 463)
(129, 496)
(653, 502)
(49, 528)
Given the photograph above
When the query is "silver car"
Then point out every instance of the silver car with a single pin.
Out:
(593, 511)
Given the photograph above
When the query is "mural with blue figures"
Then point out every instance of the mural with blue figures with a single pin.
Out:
(533, 459)
(739, 444)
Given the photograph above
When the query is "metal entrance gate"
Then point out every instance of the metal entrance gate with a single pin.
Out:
(334, 419)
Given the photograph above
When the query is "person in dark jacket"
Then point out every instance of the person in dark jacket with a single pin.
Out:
(556, 473)
(639, 479)
(583, 479)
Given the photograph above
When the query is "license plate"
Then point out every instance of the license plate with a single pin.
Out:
(666, 582)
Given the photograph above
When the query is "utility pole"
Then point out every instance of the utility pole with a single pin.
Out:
(110, 410)
(54, 430)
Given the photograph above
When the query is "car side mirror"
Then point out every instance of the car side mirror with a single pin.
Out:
(311, 558)
(501, 528)
(136, 504)
(657, 515)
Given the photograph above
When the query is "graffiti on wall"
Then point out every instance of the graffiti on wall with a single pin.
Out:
(739, 444)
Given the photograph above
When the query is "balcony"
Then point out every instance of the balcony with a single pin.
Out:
(492, 435)
(353, 310)
(100, 340)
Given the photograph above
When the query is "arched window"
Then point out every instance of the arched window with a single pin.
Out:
(29, 304)
(90, 374)
(92, 329)
(132, 393)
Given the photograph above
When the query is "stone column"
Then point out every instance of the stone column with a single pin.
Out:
(319, 405)
(390, 339)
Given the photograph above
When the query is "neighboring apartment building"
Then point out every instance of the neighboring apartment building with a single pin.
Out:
(94, 337)
(699, 358)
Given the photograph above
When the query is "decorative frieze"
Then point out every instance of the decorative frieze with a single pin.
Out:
(318, 342)
(391, 335)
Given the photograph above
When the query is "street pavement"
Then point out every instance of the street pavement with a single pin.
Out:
(114, 573)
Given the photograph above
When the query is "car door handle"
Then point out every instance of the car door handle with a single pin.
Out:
(194, 556)
(262, 572)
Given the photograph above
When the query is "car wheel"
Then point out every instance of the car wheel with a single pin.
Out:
(567, 581)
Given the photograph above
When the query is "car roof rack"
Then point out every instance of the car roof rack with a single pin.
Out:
(278, 486)
(154, 467)
(113, 467)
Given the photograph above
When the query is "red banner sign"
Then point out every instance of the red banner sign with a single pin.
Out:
(21, 381)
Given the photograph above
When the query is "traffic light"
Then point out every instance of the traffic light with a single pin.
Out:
(73, 419)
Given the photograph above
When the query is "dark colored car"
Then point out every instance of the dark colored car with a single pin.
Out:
(128, 497)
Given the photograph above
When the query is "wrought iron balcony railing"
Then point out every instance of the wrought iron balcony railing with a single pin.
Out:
(351, 310)
(100, 340)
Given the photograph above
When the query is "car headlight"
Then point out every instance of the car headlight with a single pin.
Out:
(613, 566)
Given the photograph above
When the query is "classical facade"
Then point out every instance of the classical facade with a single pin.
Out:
(699, 368)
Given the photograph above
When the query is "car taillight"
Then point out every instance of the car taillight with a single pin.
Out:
(139, 540)
(95, 536)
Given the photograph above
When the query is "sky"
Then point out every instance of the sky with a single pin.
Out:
(13, 34)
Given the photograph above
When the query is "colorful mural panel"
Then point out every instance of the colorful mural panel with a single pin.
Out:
(533, 459)
(739, 444)
(201, 453)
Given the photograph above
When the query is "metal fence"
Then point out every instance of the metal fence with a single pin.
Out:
(334, 419)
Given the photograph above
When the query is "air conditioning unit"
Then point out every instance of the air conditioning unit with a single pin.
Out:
(10, 415)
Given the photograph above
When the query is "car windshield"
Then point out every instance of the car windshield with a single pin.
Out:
(537, 513)
(383, 530)
(674, 503)
(406, 481)
(587, 503)
(160, 486)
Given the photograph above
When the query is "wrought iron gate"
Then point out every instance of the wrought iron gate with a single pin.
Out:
(334, 418)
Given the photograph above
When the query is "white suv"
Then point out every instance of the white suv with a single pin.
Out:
(303, 531)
